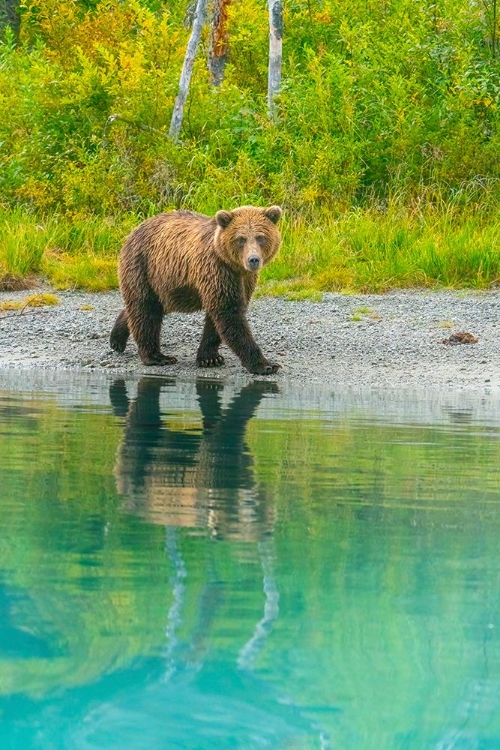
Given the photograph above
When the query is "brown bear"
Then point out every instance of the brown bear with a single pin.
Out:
(184, 261)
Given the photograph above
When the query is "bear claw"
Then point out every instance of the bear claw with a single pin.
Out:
(216, 361)
(266, 369)
(117, 346)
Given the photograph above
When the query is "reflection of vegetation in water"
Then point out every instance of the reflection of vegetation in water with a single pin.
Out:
(67, 546)
(398, 530)
(385, 558)
(373, 463)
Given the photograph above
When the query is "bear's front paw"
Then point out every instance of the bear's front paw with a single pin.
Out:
(216, 360)
(158, 360)
(265, 368)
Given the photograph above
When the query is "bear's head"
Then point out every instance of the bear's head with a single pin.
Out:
(248, 237)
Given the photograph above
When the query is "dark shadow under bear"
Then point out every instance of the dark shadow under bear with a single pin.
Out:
(182, 262)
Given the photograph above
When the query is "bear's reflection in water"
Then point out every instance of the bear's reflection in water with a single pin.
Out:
(198, 477)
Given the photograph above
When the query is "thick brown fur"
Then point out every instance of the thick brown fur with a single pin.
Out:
(182, 262)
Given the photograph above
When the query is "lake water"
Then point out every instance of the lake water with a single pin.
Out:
(200, 565)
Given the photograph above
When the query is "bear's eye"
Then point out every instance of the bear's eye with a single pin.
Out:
(260, 239)
(240, 241)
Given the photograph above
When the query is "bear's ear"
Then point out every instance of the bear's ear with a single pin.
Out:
(223, 218)
(274, 213)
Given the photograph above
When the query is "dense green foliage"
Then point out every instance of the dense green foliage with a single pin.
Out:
(390, 107)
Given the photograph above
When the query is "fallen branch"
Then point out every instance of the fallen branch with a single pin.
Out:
(20, 312)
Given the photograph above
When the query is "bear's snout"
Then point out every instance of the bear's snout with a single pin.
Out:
(253, 262)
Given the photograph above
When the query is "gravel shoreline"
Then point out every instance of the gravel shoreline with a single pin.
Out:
(393, 340)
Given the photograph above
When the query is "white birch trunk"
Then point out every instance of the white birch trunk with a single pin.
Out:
(275, 52)
(187, 69)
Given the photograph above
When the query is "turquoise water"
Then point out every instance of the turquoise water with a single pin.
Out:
(247, 566)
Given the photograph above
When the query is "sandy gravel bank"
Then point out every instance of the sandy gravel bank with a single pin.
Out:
(375, 341)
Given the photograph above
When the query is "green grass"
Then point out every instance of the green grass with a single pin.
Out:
(373, 251)
(78, 253)
(23, 242)
(358, 251)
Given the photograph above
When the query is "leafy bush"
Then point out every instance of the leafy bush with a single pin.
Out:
(383, 106)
